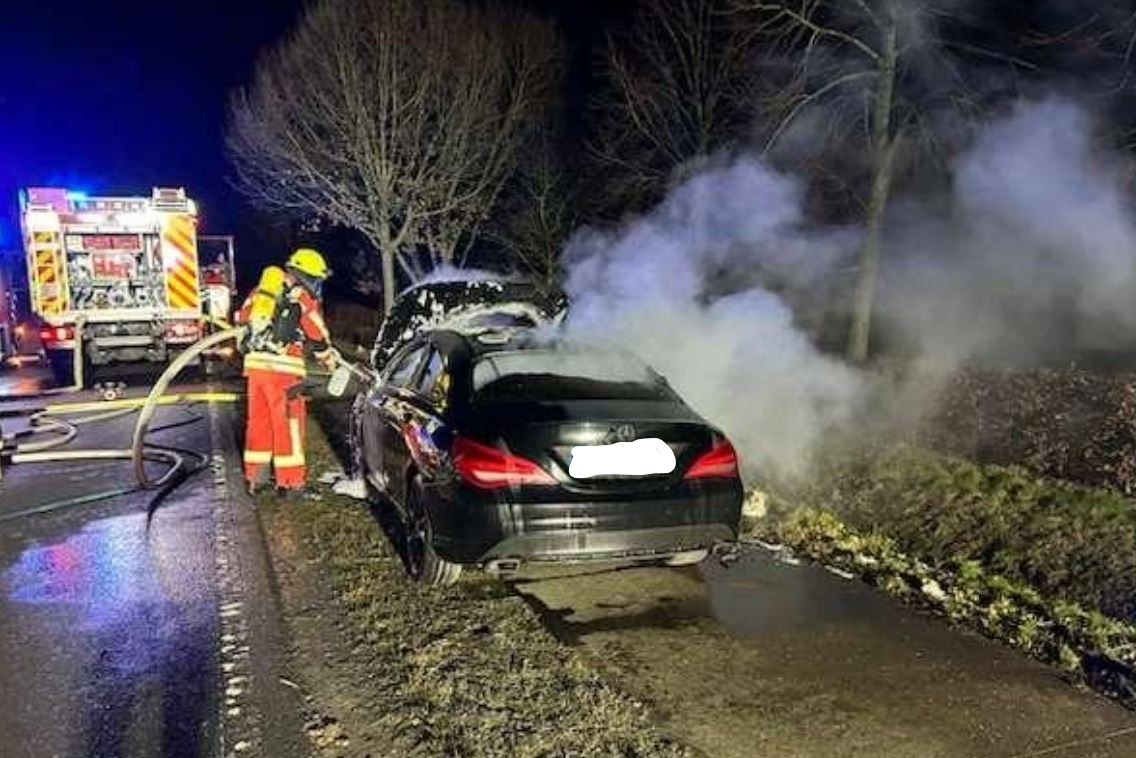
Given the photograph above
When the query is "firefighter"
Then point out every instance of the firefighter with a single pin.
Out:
(285, 321)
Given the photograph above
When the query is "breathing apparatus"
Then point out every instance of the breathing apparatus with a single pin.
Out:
(262, 309)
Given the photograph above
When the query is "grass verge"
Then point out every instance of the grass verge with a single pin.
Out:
(1047, 567)
(460, 671)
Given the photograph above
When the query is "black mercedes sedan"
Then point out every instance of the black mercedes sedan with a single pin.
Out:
(501, 447)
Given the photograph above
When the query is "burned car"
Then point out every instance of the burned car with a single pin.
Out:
(503, 303)
(501, 446)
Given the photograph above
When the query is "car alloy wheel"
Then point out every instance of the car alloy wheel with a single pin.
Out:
(422, 563)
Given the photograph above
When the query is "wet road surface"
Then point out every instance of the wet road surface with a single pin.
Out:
(14, 381)
(762, 658)
(123, 638)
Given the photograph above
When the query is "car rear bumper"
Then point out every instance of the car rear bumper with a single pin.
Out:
(631, 544)
(473, 531)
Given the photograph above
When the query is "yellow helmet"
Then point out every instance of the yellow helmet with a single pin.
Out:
(310, 262)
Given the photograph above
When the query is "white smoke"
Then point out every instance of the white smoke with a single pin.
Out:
(737, 359)
(447, 272)
(1032, 256)
(1034, 247)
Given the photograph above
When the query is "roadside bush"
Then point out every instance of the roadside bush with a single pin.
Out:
(1071, 424)
(1087, 645)
(1066, 541)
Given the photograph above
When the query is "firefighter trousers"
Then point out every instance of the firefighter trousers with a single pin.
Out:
(275, 428)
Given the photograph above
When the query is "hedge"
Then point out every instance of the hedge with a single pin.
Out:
(1069, 424)
(1067, 541)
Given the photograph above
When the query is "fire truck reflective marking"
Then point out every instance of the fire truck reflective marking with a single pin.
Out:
(186, 279)
(48, 273)
(180, 262)
(180, 295)
(182, 276)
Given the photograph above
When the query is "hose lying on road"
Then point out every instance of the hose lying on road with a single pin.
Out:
(138, 448)
(50, 420)
(65, 430)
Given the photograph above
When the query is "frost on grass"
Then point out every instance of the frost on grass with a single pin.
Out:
(466, 670)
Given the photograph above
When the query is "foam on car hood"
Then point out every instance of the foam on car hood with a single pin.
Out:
(469, 307)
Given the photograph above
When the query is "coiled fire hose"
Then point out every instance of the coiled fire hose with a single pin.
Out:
(51, 421)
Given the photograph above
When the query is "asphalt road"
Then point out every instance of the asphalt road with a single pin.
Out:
(123, 636)
(120, 637)
(763, 658)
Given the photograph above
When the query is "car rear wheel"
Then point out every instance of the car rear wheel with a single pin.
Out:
(422, 563)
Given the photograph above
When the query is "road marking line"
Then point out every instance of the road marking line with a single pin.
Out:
(241, 723)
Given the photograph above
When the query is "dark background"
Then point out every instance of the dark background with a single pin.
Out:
(117, 97)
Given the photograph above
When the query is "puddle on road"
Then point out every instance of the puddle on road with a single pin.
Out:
(98, 569)
(24, 381)
(118, 628)
(759, 594)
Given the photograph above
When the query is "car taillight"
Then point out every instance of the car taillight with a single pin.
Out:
(719, 462)
(489, 468)
(56, 333)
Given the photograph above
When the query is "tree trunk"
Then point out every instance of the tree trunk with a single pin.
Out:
(883, 163)
(860, 338)
(388, 253)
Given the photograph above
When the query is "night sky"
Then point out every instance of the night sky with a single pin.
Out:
(109, 96)
(116, 97)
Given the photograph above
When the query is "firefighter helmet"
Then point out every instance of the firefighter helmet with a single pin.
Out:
(310, 262)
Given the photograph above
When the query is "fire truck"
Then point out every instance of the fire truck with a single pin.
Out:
(112, 279)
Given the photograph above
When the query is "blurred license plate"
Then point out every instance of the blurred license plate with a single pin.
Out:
(639, 458)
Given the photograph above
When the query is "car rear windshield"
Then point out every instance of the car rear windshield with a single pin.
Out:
(565, 374)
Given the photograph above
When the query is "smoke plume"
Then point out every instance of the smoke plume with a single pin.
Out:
(737, 359)
(1032, 251)
(1032, 257)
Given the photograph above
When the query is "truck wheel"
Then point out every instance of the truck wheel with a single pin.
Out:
(422, 563)
(62, 364)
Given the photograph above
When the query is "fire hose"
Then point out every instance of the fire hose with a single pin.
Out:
(50, 420)
(138, 447)
(54, 421)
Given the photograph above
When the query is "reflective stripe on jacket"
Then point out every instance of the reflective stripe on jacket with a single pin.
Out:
(278, 362)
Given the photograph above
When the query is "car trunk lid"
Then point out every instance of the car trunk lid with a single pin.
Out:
(547, 433)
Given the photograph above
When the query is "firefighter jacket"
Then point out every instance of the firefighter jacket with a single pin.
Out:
(296, 324)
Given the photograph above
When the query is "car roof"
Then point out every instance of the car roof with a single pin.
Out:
(474, 345)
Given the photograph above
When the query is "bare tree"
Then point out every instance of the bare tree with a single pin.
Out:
(870, 78)
(1093, 45)
(675, 87)
(401, 119)
(538, 213)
